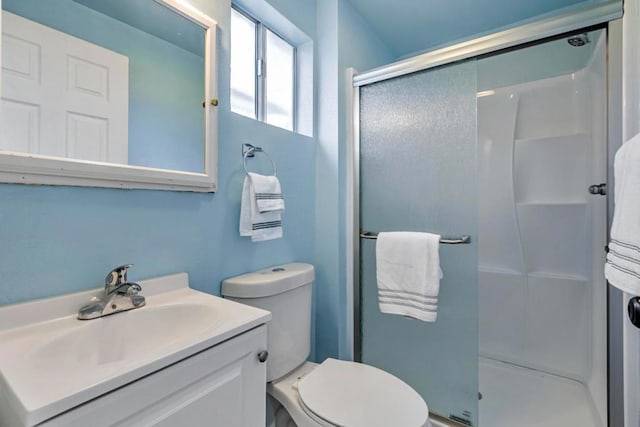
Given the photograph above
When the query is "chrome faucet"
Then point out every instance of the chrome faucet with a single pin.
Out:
(119, 295)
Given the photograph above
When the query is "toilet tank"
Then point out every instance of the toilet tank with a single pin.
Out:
(285, 291)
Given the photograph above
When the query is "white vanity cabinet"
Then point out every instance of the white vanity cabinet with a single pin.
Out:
(222, 386)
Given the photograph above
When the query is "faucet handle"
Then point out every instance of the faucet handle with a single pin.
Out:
(133, 289)
(117, 276)
(128, 288)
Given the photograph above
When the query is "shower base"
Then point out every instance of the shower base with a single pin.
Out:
(515, 396)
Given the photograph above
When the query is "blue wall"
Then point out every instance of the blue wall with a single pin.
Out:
(327, 233)
(56, 240)
(62, 239)
(359, 48)
(166, 118)
(347, 41)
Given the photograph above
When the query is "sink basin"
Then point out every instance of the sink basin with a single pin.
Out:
(126, 336)
(51, 362)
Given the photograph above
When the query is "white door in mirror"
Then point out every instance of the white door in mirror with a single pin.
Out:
(75, 90)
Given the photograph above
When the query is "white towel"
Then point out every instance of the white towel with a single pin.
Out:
(623, 260)
(408, 272)
(268, 193)
(260, 227)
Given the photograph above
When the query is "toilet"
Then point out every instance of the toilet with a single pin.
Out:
(332, 393)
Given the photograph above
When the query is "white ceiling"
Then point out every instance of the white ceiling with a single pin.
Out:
(411, 26)
(155, 19)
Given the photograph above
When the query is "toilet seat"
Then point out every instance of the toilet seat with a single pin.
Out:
(357, 395)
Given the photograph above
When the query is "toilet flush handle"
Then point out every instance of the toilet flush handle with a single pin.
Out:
(263, 355)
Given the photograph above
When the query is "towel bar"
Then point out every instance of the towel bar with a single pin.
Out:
(249, 150)
(462, 240)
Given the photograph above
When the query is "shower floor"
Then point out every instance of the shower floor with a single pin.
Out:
(515, 396)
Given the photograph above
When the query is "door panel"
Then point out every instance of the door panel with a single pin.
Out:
(418, 173)
(76, 90)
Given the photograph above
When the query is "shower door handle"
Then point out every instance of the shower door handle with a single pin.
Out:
(633, 308)
(600, 189)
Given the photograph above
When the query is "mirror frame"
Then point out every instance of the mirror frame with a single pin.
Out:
(28, 168)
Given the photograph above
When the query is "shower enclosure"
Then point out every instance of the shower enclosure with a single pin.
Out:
(504, 148)
(541, 235)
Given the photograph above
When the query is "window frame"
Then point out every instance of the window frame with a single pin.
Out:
(260, 66)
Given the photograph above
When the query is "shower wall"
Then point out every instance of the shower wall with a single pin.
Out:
(542, 294)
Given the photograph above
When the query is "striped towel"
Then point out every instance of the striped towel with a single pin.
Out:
(408, 273)
(268, 193)
(623, 260)
(259, 226)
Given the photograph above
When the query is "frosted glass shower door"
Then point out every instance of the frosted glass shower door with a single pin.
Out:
(418, 173)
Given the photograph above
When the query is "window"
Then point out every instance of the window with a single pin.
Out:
(262, 72)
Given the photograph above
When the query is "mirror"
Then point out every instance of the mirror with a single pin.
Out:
(108, 91)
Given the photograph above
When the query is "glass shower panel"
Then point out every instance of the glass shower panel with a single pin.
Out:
(418, 165)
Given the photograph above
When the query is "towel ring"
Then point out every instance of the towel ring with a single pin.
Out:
(248, 150)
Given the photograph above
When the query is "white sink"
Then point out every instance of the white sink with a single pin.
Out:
(51, 362)
(127, 336)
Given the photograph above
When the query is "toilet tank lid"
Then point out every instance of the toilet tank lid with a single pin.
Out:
(269, 281)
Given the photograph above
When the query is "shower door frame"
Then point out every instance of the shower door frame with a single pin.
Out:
(604, 15)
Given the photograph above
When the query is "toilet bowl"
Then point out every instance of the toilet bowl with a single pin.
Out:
(332, 393)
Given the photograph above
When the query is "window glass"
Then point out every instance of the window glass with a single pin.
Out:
(262, 72)
(279, 81)
(243, 64)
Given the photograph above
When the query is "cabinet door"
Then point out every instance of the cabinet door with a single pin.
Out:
(224, 386)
